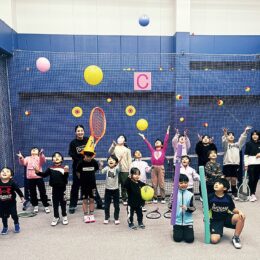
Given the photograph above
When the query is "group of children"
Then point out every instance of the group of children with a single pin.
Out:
(132, 176)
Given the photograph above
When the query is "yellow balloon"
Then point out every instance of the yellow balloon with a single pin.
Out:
(93, 75)
(142, 124)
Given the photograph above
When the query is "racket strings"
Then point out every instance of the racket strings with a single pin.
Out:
(98, 123)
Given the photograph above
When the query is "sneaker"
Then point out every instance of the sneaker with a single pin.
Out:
(201, 199)
(155, 201)
(36, 209)
(141, 225)
(163, 201)
(55, 221)
(235, 198)
(106, 221)
(16, 228)
(236, 242)
(86, 219)
(253, 198)
(117, 222)
(144, 209)
(47, 210)
(25, 205)
(132, 226)
(4, 231)
(65, 220)
(71, 210)
(125, 203)
(92, 219)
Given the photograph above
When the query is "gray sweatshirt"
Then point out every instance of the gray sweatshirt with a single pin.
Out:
(232, 150)
(111, 177)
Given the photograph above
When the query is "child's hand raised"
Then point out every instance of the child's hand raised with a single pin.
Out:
(19, 155)
(142, 135)
(248, 128)
(168, 129)
(185, 132)
(199, 137)
(225, 130)
(66, 168)
(177, 131)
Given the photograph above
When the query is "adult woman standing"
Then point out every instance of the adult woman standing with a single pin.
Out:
(76, 147)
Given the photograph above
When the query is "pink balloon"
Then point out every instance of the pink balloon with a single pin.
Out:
(43, 64)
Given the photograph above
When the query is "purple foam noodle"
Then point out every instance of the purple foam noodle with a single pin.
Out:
(176, 183)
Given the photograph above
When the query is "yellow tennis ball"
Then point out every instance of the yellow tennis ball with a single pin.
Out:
(109, 100)
(142, 124)
(93, 75)
(182, 119)
(147, 193)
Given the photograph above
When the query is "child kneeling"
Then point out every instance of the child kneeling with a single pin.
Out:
(224, 213)
(183, 229)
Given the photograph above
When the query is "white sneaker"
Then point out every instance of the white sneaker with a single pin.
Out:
(47, 210)
(155, 201)
(253, 198)
(236, 242)
(92, 219)
(106, 221)
(163, 201)
(65, 220)
(36, 209)
(55, 221)
(125, 203)
(86, 219)
(117, 222)
(144, 209)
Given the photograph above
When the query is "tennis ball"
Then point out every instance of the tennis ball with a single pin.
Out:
(109, 100)
(142, 124)
(147, 193)
(247, 88)
(93, 75)
(220, 102)
(178, 97)
(205, 124)
(27, 113)
(182, 119)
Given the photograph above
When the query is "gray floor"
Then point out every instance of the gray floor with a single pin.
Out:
(38, 240)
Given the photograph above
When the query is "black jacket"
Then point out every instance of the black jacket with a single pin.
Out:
(134, 192)
(252, 148)
(202, 152)
(58, 178)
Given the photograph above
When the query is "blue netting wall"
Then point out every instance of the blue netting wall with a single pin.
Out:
(217, 91)
(6, 144)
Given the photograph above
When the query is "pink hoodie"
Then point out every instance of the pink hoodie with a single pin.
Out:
(30, 162)
(158, 156)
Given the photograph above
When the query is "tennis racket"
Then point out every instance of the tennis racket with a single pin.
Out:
(155, 214)
(97, 124)
(167, 214)
(243, 192)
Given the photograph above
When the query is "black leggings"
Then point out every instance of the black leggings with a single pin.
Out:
(13, 213)
(253, 174)
(183, 233)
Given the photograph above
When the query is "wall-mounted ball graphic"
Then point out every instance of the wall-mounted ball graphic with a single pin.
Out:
(130, 110)
(144, 20)
(43, 64)
(77, 111)
(220, 102)
(93, 75)
(142, 124)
